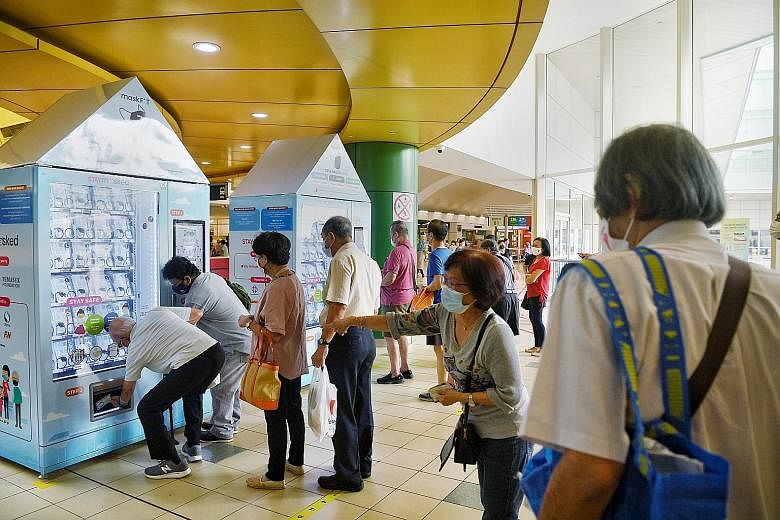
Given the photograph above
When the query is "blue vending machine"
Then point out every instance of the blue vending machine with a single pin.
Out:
(95, 195)
(294, 188)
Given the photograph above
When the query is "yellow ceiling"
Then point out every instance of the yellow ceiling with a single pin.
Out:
(375, 70)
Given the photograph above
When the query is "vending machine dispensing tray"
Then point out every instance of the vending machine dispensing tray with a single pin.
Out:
(100, 395)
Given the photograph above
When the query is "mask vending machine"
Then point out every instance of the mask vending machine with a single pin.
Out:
(295, 187)
(82, 241)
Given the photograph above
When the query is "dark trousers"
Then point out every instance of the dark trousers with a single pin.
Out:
(499, 465)
(349, 367)
(188, 382)
(535, 307)
(288, 415)
(508, 308)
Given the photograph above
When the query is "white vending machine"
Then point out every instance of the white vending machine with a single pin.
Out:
(90, 196)
(294, 188)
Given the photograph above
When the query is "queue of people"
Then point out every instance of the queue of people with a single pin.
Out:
(655, 187)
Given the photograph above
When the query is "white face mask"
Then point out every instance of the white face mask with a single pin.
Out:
(614, 244)
(536, 251)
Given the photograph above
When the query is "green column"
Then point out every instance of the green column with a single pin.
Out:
(386, 169)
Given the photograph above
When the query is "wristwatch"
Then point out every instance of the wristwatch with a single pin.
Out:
(322, 342)
(471, 400)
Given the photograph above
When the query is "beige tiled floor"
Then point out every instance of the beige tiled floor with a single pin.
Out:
(405, 481)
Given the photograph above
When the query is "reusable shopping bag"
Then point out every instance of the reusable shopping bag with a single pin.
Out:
(322, 404)
(681, 480)
(260, 385)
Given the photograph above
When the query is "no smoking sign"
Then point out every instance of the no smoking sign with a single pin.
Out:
(403, 207)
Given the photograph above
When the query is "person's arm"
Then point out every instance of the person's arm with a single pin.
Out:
(499, 357)
(127, 393)
(580, 487)
(538, 270)
(435, 285)
(336, 312)
(420, 323)
(389, 279)
(195, 315)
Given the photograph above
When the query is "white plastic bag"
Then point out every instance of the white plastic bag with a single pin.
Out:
(322, 404)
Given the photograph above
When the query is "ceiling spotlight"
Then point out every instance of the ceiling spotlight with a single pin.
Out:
(207, 47)
(205, 163)
(259, 115)
(393, 132)
(245, 147)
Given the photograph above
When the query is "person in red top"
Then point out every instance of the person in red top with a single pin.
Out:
(537, 280)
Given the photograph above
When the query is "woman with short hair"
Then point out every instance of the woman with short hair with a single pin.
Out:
(281, 311)
(473, 283)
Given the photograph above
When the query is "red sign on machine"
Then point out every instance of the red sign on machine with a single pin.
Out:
(260, 279)
(5, 301)
(5, 261)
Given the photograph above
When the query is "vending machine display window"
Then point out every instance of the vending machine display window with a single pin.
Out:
(95, 260)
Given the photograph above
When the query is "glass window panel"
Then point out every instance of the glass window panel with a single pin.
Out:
(645, 69)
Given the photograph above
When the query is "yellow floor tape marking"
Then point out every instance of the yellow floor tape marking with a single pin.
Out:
(42, 484)
(316, 506)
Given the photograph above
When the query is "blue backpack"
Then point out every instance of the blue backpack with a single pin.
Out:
(651, 487)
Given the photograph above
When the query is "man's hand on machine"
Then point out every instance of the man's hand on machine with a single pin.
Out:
(341, 326)
(245, 320)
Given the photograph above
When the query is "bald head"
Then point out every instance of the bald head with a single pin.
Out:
(120, 329)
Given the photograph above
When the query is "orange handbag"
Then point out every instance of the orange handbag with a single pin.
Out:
(260, 385)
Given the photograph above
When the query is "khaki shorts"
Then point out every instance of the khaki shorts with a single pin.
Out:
(384, 309)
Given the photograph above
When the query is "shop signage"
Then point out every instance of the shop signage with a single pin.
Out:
(218, 191)
(735, 235)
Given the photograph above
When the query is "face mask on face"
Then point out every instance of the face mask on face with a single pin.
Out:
(180, 288)
(453, 300)
(536, 251)
(614, 244)
(326, 248)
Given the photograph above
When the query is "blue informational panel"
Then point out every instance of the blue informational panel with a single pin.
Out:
(245, 218)
(277, 218)
(16, 204)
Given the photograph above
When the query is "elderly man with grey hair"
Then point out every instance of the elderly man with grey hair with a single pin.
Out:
(351, 289)
(657, 187)
(164, 341)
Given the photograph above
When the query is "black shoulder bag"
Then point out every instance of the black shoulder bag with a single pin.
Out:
(464, 440)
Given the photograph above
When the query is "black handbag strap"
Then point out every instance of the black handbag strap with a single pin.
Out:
(724, 327)
(471, 365)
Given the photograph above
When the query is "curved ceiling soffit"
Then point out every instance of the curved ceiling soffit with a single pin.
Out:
(273, 61)
(86, 74)
(423, 71)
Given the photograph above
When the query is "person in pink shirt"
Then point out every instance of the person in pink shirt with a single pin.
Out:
(396, 294)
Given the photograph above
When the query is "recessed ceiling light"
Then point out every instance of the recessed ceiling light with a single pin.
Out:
(207, 47)
(206, 163)
(259, 115)
(245, 147)
(393, 132)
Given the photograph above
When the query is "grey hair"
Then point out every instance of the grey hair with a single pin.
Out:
(122, 326)
(341, 227)
(490, 245)
(400, 227)
(672, 173)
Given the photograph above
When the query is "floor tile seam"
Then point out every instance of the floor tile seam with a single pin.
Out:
(440, 500)
(48, 503)
(165, 510)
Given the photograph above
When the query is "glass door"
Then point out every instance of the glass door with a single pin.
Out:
(103, 264)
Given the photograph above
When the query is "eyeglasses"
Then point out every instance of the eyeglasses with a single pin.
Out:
(451, 283)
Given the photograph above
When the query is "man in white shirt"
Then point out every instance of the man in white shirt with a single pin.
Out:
(351, 289)
(166, 343)
(578, 403)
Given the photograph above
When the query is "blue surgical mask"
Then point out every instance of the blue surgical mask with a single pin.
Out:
(453, 300)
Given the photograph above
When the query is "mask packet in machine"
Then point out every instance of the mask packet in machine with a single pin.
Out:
(82, 197)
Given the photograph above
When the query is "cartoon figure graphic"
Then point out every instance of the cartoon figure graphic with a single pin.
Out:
(17, 399)
(81, 317)
(6, 391)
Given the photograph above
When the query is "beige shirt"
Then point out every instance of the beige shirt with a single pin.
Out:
(353, 279)
(579, 398)
(282, 309)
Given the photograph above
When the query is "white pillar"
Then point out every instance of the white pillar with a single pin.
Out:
(607, 85)
(685, 63)
(539, 214)
(776, 126)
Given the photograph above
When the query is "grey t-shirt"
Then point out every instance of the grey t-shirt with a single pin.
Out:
(496, 368)
(221, 310)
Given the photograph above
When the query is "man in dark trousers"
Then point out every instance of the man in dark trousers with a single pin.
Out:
(351, 289)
